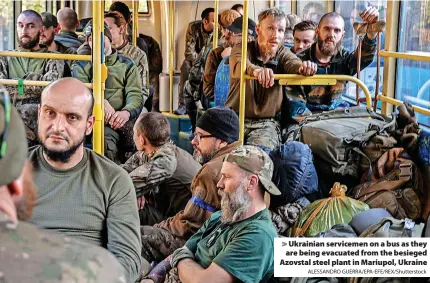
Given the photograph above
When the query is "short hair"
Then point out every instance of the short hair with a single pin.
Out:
(276, 13)
(155, 127)
(236, 7)
(331, 15)
(227, 17)
(122, 8)
(305, 25)
(119, 19)
(206, 12)
(67, 18)
(315, 5)
(32, 13)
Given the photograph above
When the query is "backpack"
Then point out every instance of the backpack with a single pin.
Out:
(336, 137)
(294, 173)
(400, 191)
(222, 82)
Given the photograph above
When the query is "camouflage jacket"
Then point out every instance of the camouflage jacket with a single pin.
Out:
(123, 86)
(32, 255)
(69, 39)
(205, 198)
(211, 66)
(344, 63)
(31, 69)
(155, 58)
(196, 39)
(193, 87)
(140, 59)
(166, 176)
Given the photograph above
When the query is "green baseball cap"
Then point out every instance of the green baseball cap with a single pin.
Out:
(13, 141)
(254, 160)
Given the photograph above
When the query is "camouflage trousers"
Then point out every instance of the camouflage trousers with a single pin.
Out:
(28, 113)
(185, 72)
(172, 276)
(115, 138)
(265, 133)
(158, 243)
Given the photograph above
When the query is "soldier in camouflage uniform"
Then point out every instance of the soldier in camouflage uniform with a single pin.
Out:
(47, 36)
(28, 254)
(29, 26)
(117, 26)
(123, 96)
(199, 35)
(161, 171)
(236, 243)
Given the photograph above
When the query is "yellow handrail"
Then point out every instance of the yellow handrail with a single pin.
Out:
(216, 24)
(99, 76)
(32, 83)
(37, 55)
(135, 21)
(171, 53)
(395, 102)
(243, 73)
(401, 55)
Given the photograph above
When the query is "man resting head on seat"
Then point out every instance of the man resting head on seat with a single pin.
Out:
(81, 193)
(330, 56)
(236, 243)
(161, 171)
(29, 254)
(216, 135)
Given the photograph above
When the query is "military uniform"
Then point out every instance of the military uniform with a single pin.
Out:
(69, 39)
(139, 57)
(123, 92)
(164, 178)
(30, 69)
(64, 49)
(196, 39)
(28, 254)
(322, 98)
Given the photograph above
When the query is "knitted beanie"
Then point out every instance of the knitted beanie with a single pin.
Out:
(220, 122)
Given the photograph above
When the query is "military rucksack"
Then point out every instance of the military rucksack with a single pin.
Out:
(400, 191)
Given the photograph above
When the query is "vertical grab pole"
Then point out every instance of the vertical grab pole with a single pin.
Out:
(215, 34)
(171, 43)
(242, 72)
(135, 21)
(99, 75)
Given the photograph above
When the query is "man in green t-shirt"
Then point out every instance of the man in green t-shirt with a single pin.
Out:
(236, 243)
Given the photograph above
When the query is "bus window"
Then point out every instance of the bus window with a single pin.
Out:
(413, 77)
(36, 5)
(350, 11)
(311, 10)
(284, 5)
(7, 25)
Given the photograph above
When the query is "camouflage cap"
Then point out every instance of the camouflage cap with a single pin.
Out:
(254, 160)
(88, 30)
(13, 141)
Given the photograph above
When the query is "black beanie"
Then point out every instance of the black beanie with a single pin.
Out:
(220, 122)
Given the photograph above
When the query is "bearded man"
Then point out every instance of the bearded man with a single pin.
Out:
(216, 135)
(47, 36)
(236, 243)
(266, 56)
(29, 27)
(332, 58)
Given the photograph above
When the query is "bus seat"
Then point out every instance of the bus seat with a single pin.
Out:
(222, 82)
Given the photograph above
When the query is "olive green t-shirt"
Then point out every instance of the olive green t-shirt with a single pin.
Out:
(244, 248)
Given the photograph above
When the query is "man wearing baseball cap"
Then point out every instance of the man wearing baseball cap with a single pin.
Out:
(47, 35)
(29, 254)
(236, 243)
(123, 94)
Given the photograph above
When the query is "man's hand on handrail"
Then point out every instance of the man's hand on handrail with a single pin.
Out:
(308, 68)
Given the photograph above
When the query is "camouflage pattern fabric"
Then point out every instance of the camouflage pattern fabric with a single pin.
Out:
(28, 254)
(28, 113)
(155, 61)
(265, 133)
(158, 243)
(139, 57)
(115, 138)
(172, 276)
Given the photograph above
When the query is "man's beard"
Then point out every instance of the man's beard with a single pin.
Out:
(203, 158)
(235, 204)
(31, 43)
(267, 50)
(62, 156)
(48, 41)
(329, 49)
(24, 208)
